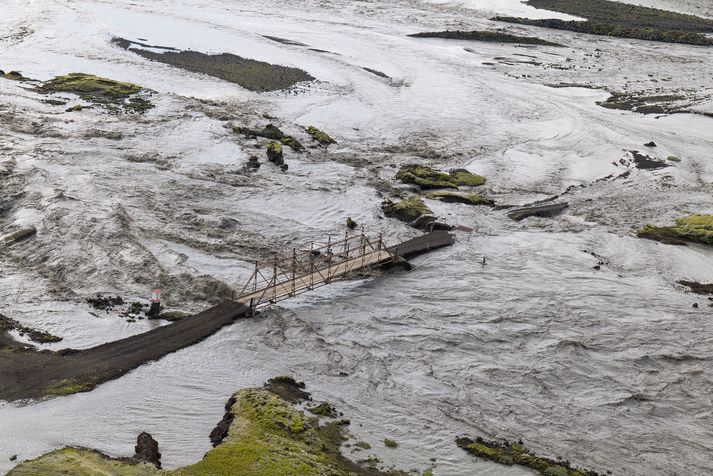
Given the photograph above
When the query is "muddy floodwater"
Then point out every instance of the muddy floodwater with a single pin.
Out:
(567, 332)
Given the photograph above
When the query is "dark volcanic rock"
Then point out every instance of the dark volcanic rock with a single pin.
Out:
(548, 210)
(147, 450)
(288, 389)
(221, 429)
(644, 162)
(698, 288)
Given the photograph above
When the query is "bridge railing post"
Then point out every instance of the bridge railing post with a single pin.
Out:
(329, 258)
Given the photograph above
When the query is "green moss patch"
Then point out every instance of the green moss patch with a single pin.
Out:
(323, 409)
(83, 462)
(429, 178)
(13, 76)
(693, 228)
(486, 36)
(69, 387)
(515, 454)
(390, 443)
(113, 95)
(406, 210)
(320, 136)
(292, 143)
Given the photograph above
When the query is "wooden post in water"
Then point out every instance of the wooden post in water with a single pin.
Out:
(329, 258)
(294, 269)
(311, 265)
(274, 278)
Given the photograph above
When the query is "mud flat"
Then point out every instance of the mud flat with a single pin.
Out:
(254, 75)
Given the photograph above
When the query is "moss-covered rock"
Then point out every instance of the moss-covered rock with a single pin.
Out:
(693, 228)
(274, 153)
(429, 178)
(321, 137)
(406, 210)
(515, 453)
(389, 443)
(464, 178)
(13, 76)
(292, 143)
(455, 197)
(270, 131)
(267, 436)
(324, 409)
(101, 91)
(425, 177)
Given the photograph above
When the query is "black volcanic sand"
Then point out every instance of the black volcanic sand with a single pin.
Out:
(607, 11)
(486, 36)
(609, 18)
(27, 373)
(251, 74)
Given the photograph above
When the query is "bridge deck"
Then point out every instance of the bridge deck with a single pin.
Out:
(317, 278)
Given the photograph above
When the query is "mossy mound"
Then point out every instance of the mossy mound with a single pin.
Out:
(514, 453)
(292, 143)
(428, 178)
(274, 153)
(455, 197)
(13, 76)
(267, 436)
(425, 177)
(693, 228)
(462, 177)
(83, 462)
(270, 131)
(406, 210)
(100, 91)
(324, 409)
(321, 137)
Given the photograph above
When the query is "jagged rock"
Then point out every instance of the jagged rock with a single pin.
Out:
(147, 450)
(548, 210)
(253, 163)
